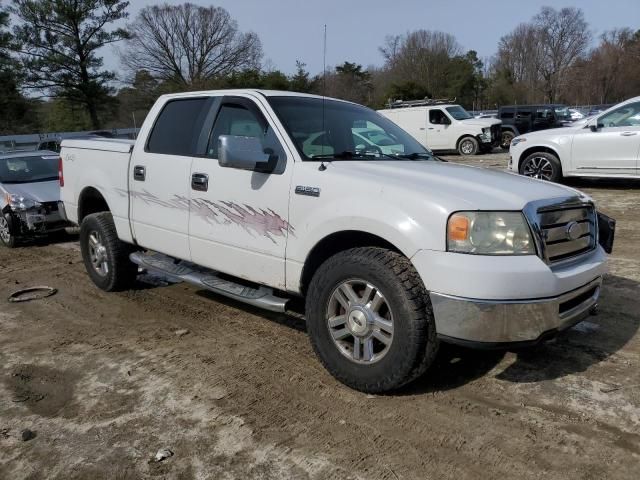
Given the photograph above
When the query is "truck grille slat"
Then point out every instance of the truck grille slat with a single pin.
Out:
(567, 231)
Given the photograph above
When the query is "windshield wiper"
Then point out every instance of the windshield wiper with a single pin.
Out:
(416, 155)
(346, 155)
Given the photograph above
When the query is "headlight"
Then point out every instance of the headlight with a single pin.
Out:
(489, 233)
(517, 140)
(18, 202)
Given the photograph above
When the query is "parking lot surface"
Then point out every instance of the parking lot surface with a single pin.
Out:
(106, 380)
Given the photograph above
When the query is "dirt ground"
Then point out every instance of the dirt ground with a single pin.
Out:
(104, 382)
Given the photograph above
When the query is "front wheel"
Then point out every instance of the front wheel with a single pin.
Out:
(468, 146)
(7, 231)
(542, 165)
(370, 319)
(105, 257)
(505, 140)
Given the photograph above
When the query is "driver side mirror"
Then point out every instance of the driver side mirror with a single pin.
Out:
(595, 126)
(244, 153)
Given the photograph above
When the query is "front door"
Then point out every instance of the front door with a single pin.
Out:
(238, 222)
(159, 176)
(613, 148)
(438, 130)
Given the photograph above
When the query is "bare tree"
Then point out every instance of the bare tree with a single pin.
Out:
(564, 38)
(422, 57)
(189, 44)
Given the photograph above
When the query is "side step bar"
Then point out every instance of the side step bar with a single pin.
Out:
(260, 296)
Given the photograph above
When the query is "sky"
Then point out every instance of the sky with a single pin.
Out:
(292, 30)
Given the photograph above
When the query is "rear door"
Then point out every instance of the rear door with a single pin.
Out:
(160, 174)
(523, 119)
(239, 222)
(613, 148)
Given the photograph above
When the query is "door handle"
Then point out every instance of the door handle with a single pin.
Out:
(139, 173)
(628, 134)
(200, 182)
(431, 128)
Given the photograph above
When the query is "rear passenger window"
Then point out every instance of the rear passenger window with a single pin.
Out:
(178, 127)
(507, 113)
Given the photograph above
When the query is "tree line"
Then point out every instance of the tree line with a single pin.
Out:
(53, 78)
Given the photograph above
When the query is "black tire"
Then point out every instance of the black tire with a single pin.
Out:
(468, 146)
(414, 343)
(8, 236)
(121, 271)
(505, 140)
(552, 174)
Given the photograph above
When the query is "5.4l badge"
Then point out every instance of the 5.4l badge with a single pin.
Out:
(309, 191)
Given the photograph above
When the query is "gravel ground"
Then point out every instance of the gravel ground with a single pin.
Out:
(104, 381)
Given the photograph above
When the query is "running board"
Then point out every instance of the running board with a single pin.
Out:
(260, 296)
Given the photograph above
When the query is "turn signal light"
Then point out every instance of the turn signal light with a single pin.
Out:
(458, 227)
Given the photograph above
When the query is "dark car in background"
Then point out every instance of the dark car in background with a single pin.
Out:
(520, 119)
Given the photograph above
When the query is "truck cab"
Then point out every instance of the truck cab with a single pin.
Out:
(266, 196)
(441, 125)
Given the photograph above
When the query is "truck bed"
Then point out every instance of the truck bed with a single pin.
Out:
(98, 166)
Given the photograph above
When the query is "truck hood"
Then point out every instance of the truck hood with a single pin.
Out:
(452, 186)
(481, 122)
(39, 191)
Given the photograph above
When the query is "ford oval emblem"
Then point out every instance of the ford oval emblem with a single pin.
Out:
(573, 231)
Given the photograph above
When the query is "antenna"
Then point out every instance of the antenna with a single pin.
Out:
(324, 82)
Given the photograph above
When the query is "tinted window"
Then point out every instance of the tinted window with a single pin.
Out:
(29, 169)
(506, 113)
(437, 117)
(238, 120)
(544, 113)
(177, 127)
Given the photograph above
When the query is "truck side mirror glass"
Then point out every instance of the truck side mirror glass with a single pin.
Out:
(245, 153)
(595, 126)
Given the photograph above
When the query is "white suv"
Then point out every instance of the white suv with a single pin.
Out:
(445, 126)
(606, 145)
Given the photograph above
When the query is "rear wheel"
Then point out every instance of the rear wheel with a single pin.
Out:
(542, 165)
(468, 146)
(105, 257)
(506, 138)
(370, 320)
(7, 231)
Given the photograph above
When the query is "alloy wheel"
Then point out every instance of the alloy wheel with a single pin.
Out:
(360, 321)
(538, 167)
(98, 254)
(5, 233)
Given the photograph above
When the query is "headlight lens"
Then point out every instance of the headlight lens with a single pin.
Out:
(489, 233)
(18, 202)
(517, 140)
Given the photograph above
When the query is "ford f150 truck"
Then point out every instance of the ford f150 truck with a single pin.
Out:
(265, 196)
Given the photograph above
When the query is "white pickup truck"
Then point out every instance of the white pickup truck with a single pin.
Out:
(265, 196)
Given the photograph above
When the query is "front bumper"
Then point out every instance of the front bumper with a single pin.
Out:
(492, 322)
(49, 217)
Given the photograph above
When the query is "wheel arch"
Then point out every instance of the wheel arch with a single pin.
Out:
(337, 242)
(536, 149)
(91, 201)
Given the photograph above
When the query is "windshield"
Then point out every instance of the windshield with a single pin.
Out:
(28, 169)
(344, 131)
(459, 113)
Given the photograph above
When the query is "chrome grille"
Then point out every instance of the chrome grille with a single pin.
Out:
(567, 231)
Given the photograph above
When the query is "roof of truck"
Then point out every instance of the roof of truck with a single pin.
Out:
(265, 93)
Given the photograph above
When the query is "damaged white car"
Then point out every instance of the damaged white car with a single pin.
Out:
(29, 196)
